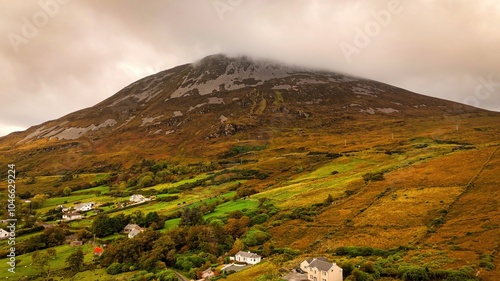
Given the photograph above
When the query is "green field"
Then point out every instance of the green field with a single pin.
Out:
(24, 267)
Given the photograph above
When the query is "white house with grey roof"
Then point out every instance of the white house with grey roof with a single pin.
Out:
(129, 227)
(83, 207)
(320, 269)
(138, 198)
(134, 232)
(247, 257)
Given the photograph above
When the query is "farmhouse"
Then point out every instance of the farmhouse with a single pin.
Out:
(207, 274)
(137, 198)
(71, 216)
(76, 243)
(247, 257)
(3, 234)
(130, 227)
(319, 269)
(83, 207)
(134, 232)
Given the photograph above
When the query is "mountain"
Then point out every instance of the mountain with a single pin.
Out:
(384, 181)
(190, 111)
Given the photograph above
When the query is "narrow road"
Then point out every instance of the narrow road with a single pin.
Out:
(181, 277)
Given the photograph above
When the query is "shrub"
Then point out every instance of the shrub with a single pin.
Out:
(362, 276)
(260, 219)
(414, 274)
(255, 237)
(437, 221)
(486, 262)
(114, 268)
(376, 176)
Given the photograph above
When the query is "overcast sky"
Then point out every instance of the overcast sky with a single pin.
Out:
(58, 56)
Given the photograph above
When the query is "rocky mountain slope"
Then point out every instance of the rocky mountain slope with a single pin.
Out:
(189, 110)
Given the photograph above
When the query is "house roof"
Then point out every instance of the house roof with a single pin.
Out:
(83, 204)
(134, 232)
(98, 250)
(321, 265)
(131, 226)
(247, 254)
(309, 260)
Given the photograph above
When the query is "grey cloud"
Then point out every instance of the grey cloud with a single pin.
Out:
(91, 49)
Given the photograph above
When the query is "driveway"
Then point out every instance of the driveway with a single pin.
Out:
(295, 276)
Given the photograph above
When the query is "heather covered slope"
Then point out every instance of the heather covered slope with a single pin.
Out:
(343, 161)
(221, 99)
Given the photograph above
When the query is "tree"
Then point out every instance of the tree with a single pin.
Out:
(53, 236)
(102, 226)
(191, 217)
(38, 200)
(41, 261)
(151, 217)
(75, 260)
(67, 191)
(237, 246)
(52, 252)
(329, 199)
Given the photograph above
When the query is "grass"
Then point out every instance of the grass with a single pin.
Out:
(240, 204)
(23, 268)
(56, 201)
(170, 224)
(102, 188)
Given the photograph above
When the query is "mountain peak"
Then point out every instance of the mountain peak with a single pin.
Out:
(228, 97)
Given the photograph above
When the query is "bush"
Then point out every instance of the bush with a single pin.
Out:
(414, 274)
(362, 276)
(354, 251)
(376, 176)
(255, 237)
(486, 262)
(166, 275)
(260, 219)
(114, 268)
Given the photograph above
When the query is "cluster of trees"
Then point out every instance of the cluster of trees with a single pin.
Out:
(151, 172)
(194, 245)
(50, 237)
(104, 225)
(390, 264)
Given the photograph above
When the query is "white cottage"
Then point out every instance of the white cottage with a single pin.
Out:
(247, 257)
(71, 216)
(83, 207)
(137, 198)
